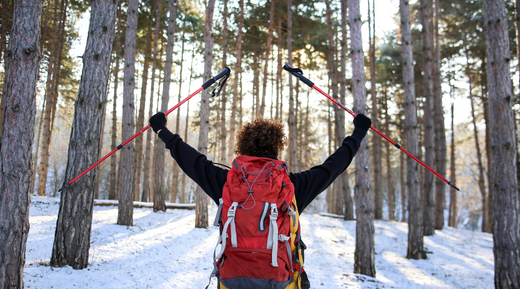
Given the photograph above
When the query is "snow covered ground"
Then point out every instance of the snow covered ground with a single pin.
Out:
(164, 250)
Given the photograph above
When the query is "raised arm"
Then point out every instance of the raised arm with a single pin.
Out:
(309, 184)
(196, 165)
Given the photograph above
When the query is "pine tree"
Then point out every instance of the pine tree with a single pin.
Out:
(428, 213)
(364, 255)
(126, 183)
(19, 93)
(506, 231)
(201, 209)
(72, 237)
(415, 222)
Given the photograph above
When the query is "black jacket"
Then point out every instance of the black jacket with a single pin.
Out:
(308, 184)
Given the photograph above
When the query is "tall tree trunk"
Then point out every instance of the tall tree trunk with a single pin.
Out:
(223, 130)
(113, 144)
(415, 224)
(306, 152)
(183, 191)
(138, 161)
(238, 67)
(339, 134)
(72, 237)
(389, 182)
(376, 140)
(343, 184)
(481, 183)
(127, 186)
(256, 89)
(506, 206)
(364, 254)
(485, 101)
(159, 191)
(428, 213)
(7, 23)
(517, 24)
(201, 206)
(453, 173)
(98, 176)
(51, 101)
(19, 107)
(145, 197)
(35, 158)
(175, 174)
(293, 155)
(266, 61)
(402, 181)
(278, 113)
(155, 137)
(440, 129)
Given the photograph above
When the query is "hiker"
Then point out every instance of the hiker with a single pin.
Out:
(258, 145)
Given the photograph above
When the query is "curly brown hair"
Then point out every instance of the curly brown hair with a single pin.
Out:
(261, 137)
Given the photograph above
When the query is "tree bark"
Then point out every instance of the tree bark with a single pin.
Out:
(293, 154)
(238, 67)
(440, 129)
(506, 207)
(7, 23)
(389, 182)
(481, 183)
(402, 181)
(364, 254)
(376, 140)
(428, 213)
(256, 79)
(22, 63)
(145, 197)
(37, 149)
(278, 112)
(415, 224)
(113, 144)
(223, 93)
(343, 184)
(138, 161)
(72, 237)
(266, 61)
(183, 191)
(127, 185)
(485, 101)
(201, 209)
(175, 174)
(159, 191)
(453, 173)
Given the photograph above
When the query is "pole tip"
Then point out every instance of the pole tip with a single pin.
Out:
(453, 186)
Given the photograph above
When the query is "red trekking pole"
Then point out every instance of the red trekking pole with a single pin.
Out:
(222, 75)
(299, 73)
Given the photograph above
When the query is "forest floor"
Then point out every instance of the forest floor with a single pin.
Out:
(164, 250)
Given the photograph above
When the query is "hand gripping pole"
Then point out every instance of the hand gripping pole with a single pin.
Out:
(222, 76)
(299, 74)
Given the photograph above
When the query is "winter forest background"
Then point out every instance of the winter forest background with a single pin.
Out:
(173, 55)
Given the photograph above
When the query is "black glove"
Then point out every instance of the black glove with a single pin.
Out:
(158, 121)
(362, 122)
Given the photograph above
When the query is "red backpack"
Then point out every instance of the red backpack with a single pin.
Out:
(260, 236)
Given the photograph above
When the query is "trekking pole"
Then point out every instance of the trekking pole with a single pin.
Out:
(222, 75)
(299, 74)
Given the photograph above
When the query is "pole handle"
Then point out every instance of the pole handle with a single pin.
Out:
(298, 73)
(223, 73)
